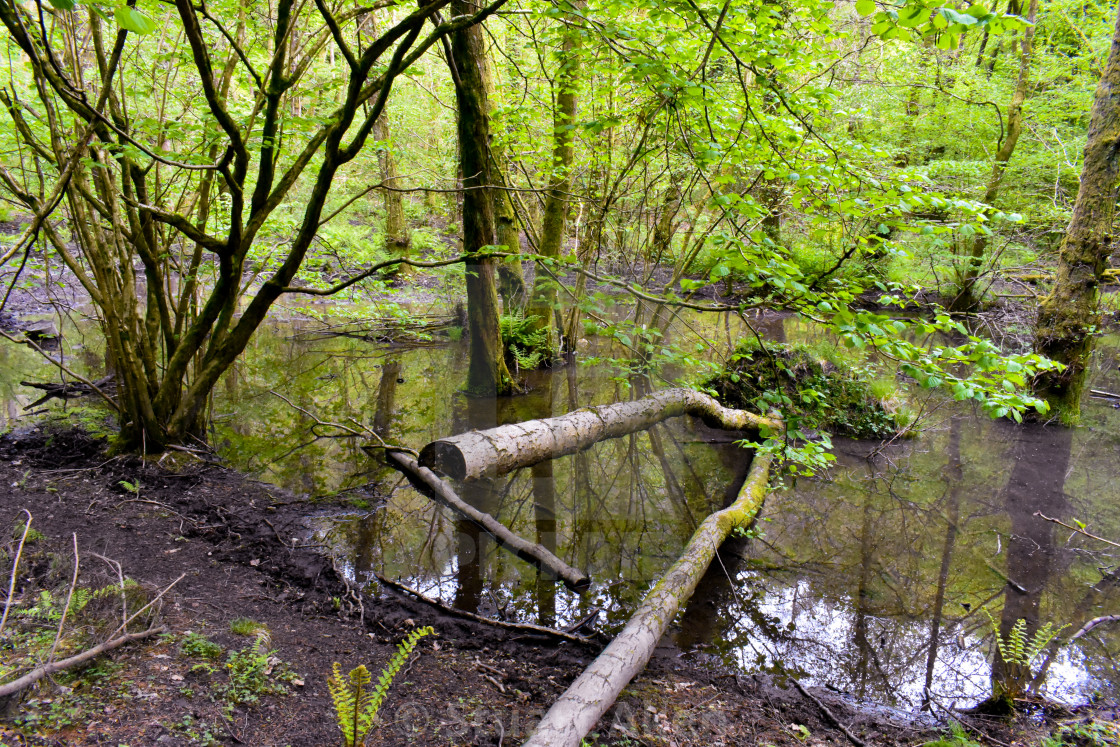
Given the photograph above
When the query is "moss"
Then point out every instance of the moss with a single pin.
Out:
(814, 389)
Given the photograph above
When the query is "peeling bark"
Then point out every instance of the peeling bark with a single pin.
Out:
(496, 451)
(584, 703)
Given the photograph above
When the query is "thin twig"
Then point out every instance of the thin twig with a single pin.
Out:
(1079, 530)
(66, 607)
(120, 577)
(828, 714)
(140, 611)
(15, 569)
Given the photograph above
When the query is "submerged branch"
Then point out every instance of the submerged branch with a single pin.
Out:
(435, 488)
(524, 627)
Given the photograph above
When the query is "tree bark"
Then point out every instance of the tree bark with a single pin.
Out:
(398, 241)
(431, 485)
(511, 274)
(966, 298)
(557, 199)
(477, 454)
(588, 698)
(487, 374)
(1069, 314)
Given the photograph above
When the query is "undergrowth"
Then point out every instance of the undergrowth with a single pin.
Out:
(526, 347)
(814, 388)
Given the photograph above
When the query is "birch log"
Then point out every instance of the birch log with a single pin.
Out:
(496, 451)
(431, 485)
(584, 703)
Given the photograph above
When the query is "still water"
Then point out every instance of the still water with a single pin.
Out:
(884, 577)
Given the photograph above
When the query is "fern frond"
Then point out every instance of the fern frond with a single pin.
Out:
(263, 643)
(345, 702)
(356, 704)
(1019, 648)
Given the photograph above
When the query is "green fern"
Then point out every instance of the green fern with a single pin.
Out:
(526, 344)
(355, 703)
(1018, 647)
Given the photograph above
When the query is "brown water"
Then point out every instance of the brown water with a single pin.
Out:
(877, 578)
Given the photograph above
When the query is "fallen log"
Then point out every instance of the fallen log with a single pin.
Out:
(584, 703)
(429, 483)
(496, 451)
(66, 390)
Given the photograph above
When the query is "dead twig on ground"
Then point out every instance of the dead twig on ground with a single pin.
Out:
(521, 627)
(39, 673)
(15, 569)
(828, 714)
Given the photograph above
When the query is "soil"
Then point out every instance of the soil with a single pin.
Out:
(236, 543)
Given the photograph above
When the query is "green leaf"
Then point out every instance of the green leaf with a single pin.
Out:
(865, 7)
(63, 4)
(912, 17)
(133, 20)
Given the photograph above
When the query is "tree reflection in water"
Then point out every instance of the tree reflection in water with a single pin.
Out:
(873, 581)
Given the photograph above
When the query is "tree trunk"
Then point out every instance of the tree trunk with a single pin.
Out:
(557, 199)
(511, 275)
(661, 241)
(1070, 313)
(966, 298)
(477, 454)
(487, 374)
(583, 704)
(398, 240)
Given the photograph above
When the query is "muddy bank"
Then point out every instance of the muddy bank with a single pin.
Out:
(239, 544)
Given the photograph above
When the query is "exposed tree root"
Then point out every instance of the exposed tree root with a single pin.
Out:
(523, 627)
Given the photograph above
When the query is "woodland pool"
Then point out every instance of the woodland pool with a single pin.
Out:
(882, 578)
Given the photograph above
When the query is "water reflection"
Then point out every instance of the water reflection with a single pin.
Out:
(878, 581)
(875, 581)
(881, 581)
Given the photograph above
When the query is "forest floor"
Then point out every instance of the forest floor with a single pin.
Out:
(237, 542)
